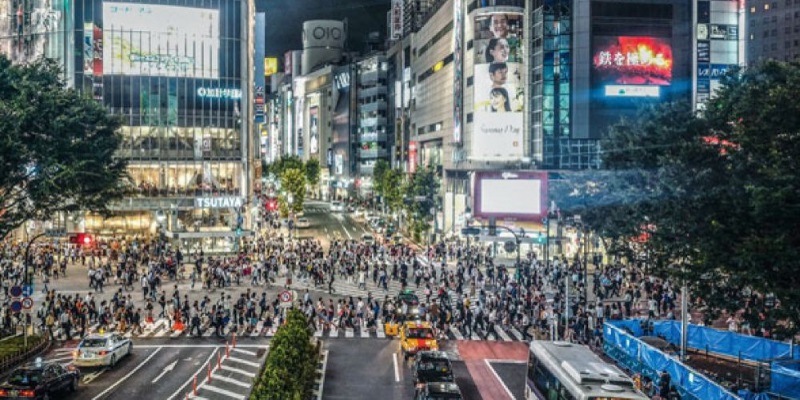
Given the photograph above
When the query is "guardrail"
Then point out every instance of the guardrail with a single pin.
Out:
(10, 362)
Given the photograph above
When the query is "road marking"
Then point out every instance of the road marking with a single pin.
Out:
(168, 368)
(117, 383)
(345, 230)
(223, 391)
(380, 329)
(502, 333)
(516, 333)
(249, 353)
(348, 332)
(245, 362)
(223, 378)
(457, 333)
(239, 371)
(93, 375)
(64, 350)
(191, 378)
(396, 369)
(321, 388)
(364, 332)
(57, 359)
(500, 381)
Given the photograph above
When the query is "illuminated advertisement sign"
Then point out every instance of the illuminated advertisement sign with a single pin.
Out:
(219, 93)
(627, 63)
(270, 66)
(458, 68)
(144, 39)
(519, 195)
(497, 133)
(313, 130)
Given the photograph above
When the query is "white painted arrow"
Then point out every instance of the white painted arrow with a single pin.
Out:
(168, 368)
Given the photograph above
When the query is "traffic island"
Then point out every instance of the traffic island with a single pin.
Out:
(14, 352)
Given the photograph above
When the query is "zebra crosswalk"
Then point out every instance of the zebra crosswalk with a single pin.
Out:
(160, 329)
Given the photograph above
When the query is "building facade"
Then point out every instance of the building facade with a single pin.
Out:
(772, 29)
(373, 139)
(183, 88)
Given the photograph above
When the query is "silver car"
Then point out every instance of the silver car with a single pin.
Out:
(101, 350)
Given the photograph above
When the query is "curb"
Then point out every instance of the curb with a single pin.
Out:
(321, 380)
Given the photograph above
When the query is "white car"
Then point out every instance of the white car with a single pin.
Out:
(303, 223)
(367, 238)
(101, 350)
(337, 207)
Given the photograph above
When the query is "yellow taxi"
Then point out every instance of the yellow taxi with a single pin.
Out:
(416, 336)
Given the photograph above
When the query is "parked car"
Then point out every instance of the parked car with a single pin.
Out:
(39, 380)
(101, 350)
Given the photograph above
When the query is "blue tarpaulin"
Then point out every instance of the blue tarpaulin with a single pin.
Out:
(726, 343)
(641, 358)
(785, 377)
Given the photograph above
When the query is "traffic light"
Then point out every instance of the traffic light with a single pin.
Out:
(82, 239)
(239, 221)
(492, 226)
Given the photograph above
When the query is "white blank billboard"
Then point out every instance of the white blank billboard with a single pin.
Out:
(156, 40)
(511, 196)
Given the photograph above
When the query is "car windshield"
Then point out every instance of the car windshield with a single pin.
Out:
(420, 333)
(434, 365)
(23, 377)
(94, 343)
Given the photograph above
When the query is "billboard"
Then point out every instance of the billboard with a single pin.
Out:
(145, 39)
(396, 20)
(632, 66)
(313, 130)
(499, 91)
(458, 68)
(270, 66)
(518, 195)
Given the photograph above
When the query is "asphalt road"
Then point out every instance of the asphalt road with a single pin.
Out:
(365, 368)
(165, 369)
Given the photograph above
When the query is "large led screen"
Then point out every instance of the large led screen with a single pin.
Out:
(497, 132)
(156, 40)
(632, 66)
(520, 195)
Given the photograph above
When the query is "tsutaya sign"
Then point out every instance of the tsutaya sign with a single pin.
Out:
(218, 202)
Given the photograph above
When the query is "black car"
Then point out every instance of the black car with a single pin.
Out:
(432, 366)
(439, 391)
(39, 380)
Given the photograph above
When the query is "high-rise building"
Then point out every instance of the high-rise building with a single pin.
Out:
(181, 79)
(772, 30)
(372, 140)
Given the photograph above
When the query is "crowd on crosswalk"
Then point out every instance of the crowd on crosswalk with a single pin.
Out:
(461, 290)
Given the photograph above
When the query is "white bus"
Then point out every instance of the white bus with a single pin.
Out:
(566, 371)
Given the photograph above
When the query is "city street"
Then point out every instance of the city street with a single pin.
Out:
(164, 369)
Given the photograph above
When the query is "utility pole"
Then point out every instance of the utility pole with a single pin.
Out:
(26, 281)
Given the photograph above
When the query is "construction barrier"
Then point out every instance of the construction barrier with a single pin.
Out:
(643, 359)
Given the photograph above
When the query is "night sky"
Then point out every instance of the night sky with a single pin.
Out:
(285, 20)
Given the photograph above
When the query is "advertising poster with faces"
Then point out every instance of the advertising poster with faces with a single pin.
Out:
(498, 87)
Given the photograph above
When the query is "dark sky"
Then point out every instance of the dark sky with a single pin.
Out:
(285, 20)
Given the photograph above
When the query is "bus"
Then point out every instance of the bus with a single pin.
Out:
(567, 371)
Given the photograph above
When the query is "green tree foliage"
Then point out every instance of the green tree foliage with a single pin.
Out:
(57, 148)
(715, 193)
(284, 163)
(423, 183)
(291, 364)
(378, 173)
(312, 169)
(293, 180)
(394, 189)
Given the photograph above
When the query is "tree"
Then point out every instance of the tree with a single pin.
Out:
(312, 169)
(714, 195)
(284, 163)
(293, 181)
(381, 167)
(393, 188)
(424, 183)
(57, 149)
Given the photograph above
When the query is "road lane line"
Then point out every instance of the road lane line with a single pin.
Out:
(215, 376)
(345, 230)
(117, 383)
(239, 371)
(396, 369)
(245, 362)
(202, 346)
(196, 374)
(500, 381)
(224, 392)
(249, 353)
